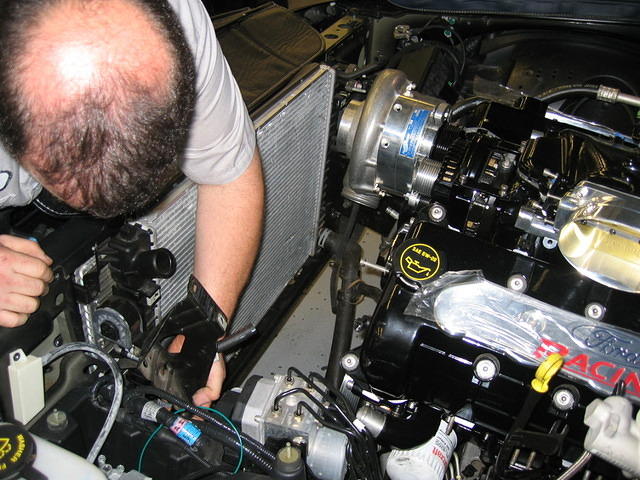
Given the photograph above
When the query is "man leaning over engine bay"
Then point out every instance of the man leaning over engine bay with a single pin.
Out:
(100, 103)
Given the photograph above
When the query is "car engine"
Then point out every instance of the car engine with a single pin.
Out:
(495, 152)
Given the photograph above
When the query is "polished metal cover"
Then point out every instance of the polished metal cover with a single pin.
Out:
(600, 234)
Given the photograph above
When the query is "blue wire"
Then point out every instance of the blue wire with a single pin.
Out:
(155, 432)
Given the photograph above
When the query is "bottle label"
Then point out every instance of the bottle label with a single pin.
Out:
(186, 431)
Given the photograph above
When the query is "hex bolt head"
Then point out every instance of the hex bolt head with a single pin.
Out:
(437, 212)
(594, 311)
(517, 283)
(350, 362)
(486, 367)
(564, 399)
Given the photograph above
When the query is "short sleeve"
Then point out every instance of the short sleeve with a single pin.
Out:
(221, 139)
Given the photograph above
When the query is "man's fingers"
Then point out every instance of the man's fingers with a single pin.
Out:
(25, 274)
(31, 267)
(31, 261)
(211, 392)
(21, 304)
(25, 246)
(24, 285)
(176, 344)
(12, 319)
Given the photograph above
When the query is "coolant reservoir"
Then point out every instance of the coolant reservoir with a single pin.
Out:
(22, 453)
(60, 464)
(599, 234)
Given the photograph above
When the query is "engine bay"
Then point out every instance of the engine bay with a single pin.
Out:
(496, 155)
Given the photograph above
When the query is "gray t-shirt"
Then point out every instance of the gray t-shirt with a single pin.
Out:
(221, 140)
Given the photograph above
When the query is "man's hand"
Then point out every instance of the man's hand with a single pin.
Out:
(211, 392)
(25, 274)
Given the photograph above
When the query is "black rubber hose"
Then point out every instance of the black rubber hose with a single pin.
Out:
(248, 441)
(565, 91)
(346, 308)
(374, 67)
(461, 108)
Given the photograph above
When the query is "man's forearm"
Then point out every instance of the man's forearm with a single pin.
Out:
(228, 231)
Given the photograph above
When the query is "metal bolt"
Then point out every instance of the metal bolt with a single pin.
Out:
(517, 282)
(16, 356)
(350, 362)
(485, 370)
(57, 420)
(437, 212)
(504, 189)
(451, 421)
(549, 243)
(530, 460)
(408, 92)
(401, 31)
(514, 457)
(384, 143)
(594, 311)
(57, 342)
(397, 107)
(298, 441)
(392, 213)
(563, 399)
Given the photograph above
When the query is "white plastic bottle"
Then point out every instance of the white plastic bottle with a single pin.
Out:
(428, 461)
(59, 464)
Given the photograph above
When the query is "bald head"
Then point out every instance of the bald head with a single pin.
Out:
(100, 85)
(77, 47)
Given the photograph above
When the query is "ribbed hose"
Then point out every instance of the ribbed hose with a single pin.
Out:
(231, 440)
(249, 443)
(560, 93)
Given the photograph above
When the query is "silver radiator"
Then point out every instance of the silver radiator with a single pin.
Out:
(292, 134)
